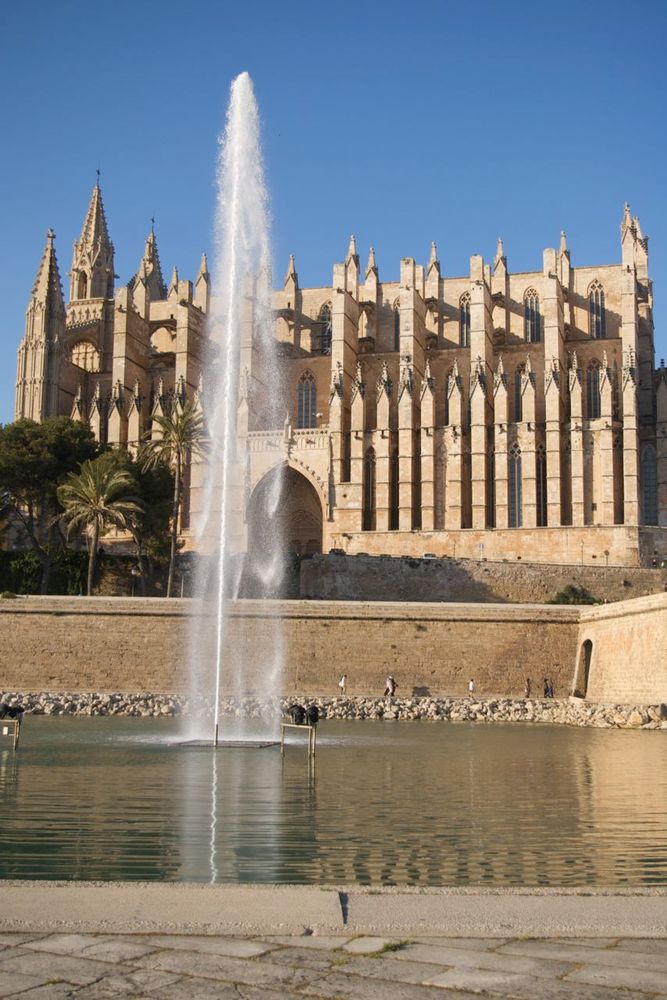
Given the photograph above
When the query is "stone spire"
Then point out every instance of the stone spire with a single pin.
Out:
(150, 270)
(371, 267)
(47, 288)
(352, 250)
(92, 273)
(173, 284)
(291, 278)
(202, 285)
(563, 242)
(433, 261)
(500, 254)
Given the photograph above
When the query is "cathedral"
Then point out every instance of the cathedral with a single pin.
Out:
(494, 415)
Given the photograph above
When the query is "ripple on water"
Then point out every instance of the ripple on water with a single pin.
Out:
(404, 804)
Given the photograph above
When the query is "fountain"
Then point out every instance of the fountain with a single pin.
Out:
(242, 361)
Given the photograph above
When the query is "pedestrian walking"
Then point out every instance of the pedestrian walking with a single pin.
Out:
(546, 688)
(390, 686)
(551, 689)
(342, 683)
(526, 688)
(471, 687)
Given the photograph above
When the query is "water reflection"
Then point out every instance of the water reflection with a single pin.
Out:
(403, 804)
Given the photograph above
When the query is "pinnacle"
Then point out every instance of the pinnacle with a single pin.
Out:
(371, 266)
(47, 286)
(563, 241)
(150, 269)
(94, 229)
(203, 266)
(352, 248)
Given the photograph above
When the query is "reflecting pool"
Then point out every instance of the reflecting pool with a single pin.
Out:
(384, 803)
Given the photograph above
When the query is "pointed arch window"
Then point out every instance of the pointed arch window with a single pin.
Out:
(369, 491)
(82, 286)
(531, 316)
(649, 485)
(518, 394)
(541, 485)
(515, 487)
(464, 320)
(324, 319)
(593, 398)
(597, 317)
(306, 401)
(397, 326)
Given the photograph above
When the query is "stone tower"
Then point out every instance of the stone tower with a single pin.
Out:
(92, 275)
(40, 349)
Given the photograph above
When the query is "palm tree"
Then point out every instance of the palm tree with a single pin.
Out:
(180, 438)
(97, 498)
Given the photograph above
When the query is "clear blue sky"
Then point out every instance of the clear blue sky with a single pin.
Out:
(401, 123)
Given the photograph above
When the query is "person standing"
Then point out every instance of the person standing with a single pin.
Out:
(526, 688)
(390, 686)
(342, 684)
(471, 688)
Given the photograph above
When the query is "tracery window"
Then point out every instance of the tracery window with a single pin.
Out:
(324, 319)
(515, 487)
(369, 491)
(82, 290)
(649, 484)
(306, 401)
(85, 355)
(464, 320)
(397, 326)
(541, 485)
(596, 312)
(593, 398)
(531, 316)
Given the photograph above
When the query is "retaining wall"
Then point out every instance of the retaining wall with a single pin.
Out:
(120, 644)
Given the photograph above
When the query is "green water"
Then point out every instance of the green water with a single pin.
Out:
(385, 803)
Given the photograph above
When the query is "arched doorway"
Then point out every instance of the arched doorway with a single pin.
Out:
(284, 518)
(583, 669)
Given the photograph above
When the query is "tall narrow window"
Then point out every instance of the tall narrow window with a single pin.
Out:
(531, 316)
(324, 319)
(82, 290)
(541, 486)
(393, 492)
(369, 491)
(515, 487)
(593, 401)
(518, 394)
(491, 488)
(649, 484)
(306, 401)
(596, 312)
(397, 326)
(464, 320)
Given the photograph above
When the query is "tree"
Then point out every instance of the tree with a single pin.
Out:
(154, 486)
(181, 438)
(34, 460)
(97, 498)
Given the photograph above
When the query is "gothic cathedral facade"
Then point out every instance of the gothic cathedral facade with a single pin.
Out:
(494, 415)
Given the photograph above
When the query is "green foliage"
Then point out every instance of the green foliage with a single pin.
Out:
(571, 594)
(34, 461)
(8, 595)
(20, 572)
(98, 497)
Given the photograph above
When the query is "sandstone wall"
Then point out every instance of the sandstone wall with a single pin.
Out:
(628, 656)
(375, 578)
(119, 644)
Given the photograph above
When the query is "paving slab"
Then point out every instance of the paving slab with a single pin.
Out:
(17, 982)
(175, 908)
(497, 913)
(619, 959)
(492, 961)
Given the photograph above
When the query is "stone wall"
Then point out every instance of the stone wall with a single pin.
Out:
(383, 578)
(627, 661)
(119, 644)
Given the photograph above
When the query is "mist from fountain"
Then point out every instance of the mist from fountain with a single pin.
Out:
(240, 303)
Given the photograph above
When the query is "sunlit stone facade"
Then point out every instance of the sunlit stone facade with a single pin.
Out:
(493, 415)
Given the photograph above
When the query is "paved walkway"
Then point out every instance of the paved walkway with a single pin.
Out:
(232, 967)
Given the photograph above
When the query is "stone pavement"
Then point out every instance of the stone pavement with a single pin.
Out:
(343, 967)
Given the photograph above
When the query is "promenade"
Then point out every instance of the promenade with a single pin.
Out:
(98, 942)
